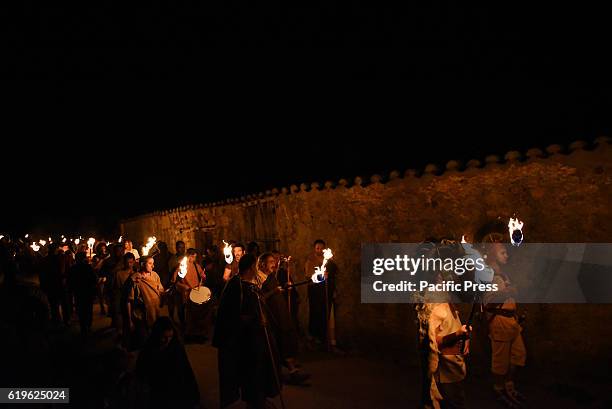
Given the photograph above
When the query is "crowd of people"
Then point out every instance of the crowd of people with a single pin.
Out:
(250, 315)
(444, 340)
(252, 311)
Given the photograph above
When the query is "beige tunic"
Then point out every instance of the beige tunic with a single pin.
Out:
(150, 288)
(503, 328)
(121, 278)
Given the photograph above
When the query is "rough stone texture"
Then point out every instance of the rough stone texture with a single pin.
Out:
(562, 198)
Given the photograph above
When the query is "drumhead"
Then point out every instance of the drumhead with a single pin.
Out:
(200, 295)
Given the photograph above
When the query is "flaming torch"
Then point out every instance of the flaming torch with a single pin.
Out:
(77, 241)
(319, 274)
(227, 252)
(90, 243)
(27, 235)
(183, 268)
(35, 246)
(150, 243)
(42, 242)
(515, 228)
(120, 239)
(64, 240)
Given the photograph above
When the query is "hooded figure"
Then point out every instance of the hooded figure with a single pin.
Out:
(246, 356)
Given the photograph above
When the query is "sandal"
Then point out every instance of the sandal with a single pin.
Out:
(516, 395)
(506, 400)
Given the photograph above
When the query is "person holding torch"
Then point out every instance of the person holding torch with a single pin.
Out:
(189, 317)
(508, 350)
(232, 259)
(322, 298)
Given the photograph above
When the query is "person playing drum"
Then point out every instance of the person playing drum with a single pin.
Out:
(189, 312)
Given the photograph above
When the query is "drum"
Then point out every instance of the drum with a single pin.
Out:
(200, 295)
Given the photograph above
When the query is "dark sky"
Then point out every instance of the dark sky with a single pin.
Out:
(158, 104)
(94, 169)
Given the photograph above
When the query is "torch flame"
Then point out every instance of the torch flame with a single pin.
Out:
(183, 267)
(90, 242)
(120, 239)
(77, 241)
(515, 228)
(227, 252)
(27, 235)
(463, 239)
(319, 274)
(150, 243)
(42, 242)
(1, 236)
(64, 240)
(35, 246)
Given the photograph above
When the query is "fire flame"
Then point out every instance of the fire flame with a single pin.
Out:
(183, 267)
(27, 235)
(64, 240)
(35, 246)
(515, 228)
(319, 274)
(77, 241)
(1, 236)
(150, 243)
(90, 242)
(463, 239)
(120, 239)
(42, 242)
(227, 252)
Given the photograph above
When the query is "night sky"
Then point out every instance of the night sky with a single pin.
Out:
(267, 95)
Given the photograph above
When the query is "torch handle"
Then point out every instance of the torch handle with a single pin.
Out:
(475, 303)
(284, 288)
(299, 283)
(468, 323)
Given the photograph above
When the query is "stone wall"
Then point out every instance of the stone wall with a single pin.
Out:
(562, 195)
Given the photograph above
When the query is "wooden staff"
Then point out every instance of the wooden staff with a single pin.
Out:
(288, 289)
(327, 338)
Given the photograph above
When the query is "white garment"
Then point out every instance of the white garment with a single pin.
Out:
(484, 276)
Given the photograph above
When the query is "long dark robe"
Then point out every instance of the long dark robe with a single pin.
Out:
(280, 319)
(82, 283)
(245, 365)
(317, 301)
(52, 283)
(162, 268)
(292, 298)
(24, 349)
(169, 375)
(214, 277)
